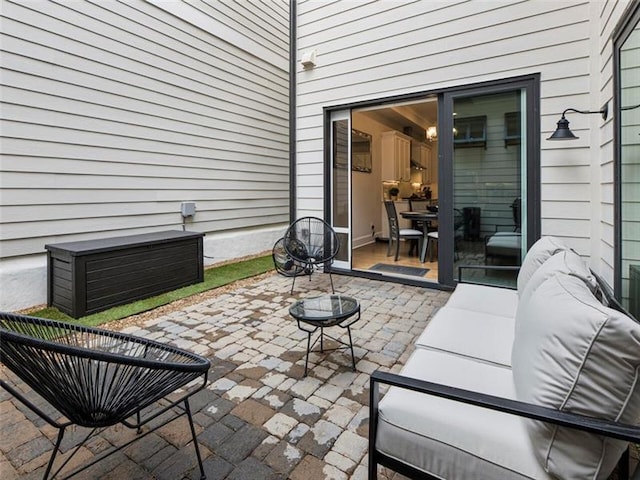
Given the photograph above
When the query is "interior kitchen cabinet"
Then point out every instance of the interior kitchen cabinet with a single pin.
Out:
(396, 156)
(421, 154)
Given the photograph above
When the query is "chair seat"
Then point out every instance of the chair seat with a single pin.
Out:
(428, 245)
(506, 244)
(488, 337)
(456, 440)
(97, 378)
(309, 242)
(94, 377)
(410, 231)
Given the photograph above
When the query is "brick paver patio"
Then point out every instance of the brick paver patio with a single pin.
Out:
(258, 417)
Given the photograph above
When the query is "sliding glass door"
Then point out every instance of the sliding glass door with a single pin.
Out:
(482, 171)
(489, 181)
(627, 225)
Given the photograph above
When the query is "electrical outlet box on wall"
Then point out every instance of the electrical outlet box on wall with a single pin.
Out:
(188, 209)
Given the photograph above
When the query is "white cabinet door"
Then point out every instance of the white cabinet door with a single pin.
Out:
(396, 156)
(403, 158)
(422, 155)
(427, 164)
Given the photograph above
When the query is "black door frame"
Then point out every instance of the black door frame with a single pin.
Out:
(629, 20)
(531, 84)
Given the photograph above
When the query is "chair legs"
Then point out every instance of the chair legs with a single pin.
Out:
(54, 453)
(421, 248)
(309, 269)
(431, 244)
(185, 410)
(397, 243)
(195, 438)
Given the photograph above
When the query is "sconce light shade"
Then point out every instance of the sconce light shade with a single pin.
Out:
(563, 132)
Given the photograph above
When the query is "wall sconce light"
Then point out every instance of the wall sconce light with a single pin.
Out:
(564, 133)
(432, 134)
(308, 59)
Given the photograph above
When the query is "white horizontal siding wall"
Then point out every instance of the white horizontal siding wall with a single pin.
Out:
(377, 49)
(113, 113)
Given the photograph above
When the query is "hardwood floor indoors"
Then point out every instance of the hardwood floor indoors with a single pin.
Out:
(365, 257)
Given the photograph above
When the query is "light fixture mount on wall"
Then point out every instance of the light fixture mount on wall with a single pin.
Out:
(564, 133)
(308, 59)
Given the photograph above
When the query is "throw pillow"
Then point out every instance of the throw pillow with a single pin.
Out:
(539, 253)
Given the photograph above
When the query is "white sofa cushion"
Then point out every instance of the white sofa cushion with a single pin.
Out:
(485, 299)
(565, 261)
(539, 253)
(476, 335)
(450, 439)
(573, 354)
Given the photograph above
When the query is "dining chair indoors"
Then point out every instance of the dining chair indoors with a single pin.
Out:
(396, 233)
(431, 245)
(311, 242)
(415, 205)
(421, 205)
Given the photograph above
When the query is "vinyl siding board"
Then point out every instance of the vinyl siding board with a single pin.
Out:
(373, 50)
(115, 112)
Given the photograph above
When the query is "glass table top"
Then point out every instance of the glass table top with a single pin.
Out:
(326, 307)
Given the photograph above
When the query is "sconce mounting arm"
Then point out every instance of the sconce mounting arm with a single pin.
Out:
(604, 111)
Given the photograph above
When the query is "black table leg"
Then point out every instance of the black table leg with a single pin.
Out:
(306, 362)
(353, 357)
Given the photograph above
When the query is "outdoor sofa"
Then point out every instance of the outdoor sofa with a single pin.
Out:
(493, 362)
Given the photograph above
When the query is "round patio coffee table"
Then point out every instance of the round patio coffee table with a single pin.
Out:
(326, 311)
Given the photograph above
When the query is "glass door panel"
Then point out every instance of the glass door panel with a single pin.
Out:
(489, 158)
(341, 185)
(629, 172)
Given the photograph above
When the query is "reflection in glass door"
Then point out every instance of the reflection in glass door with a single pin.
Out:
(341, 186)
(486, 175)
(628, 175)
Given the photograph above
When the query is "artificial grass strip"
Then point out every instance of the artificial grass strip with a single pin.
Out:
(213, 278)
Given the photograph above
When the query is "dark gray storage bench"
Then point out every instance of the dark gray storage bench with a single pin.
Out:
(89, 276)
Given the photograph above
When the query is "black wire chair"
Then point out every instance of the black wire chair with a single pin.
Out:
(311, 242)
(97, 378)
(285, 265)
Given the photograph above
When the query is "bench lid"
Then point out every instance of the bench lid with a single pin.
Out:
(85, 247)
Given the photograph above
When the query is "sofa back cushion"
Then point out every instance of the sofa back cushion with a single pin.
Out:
(539, 253)
(573, 354)
(564, 261)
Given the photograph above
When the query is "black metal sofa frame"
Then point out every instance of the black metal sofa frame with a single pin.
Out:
(610, 429)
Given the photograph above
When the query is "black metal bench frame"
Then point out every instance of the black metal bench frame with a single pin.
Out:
(630, 433)
(619, 431)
